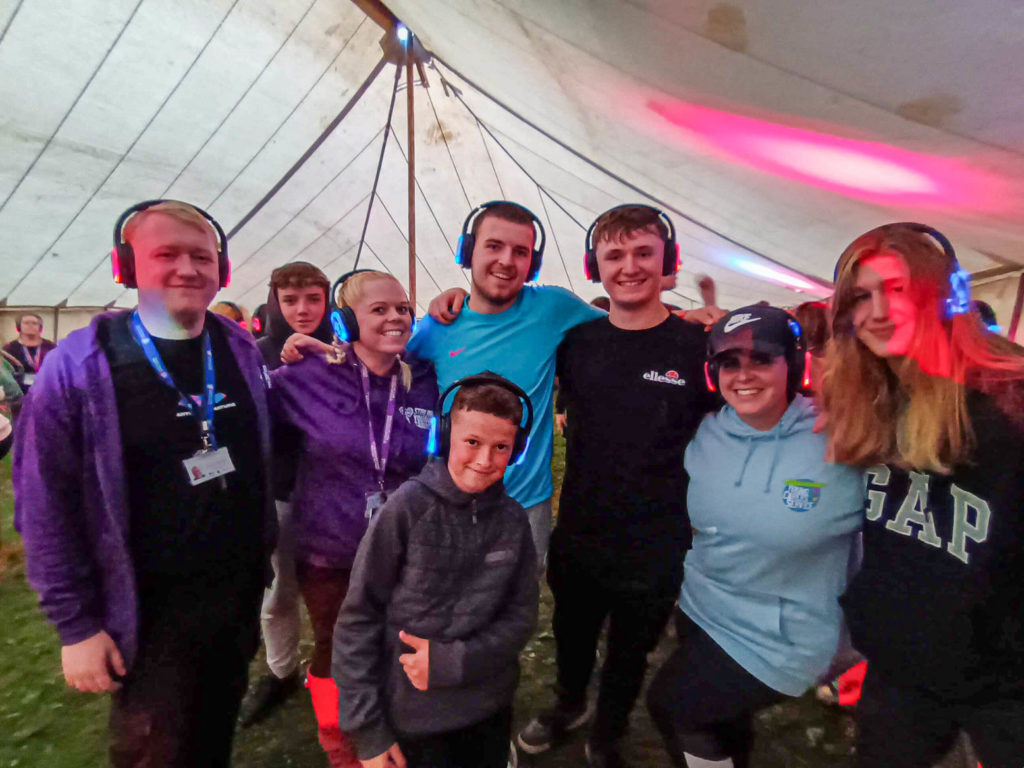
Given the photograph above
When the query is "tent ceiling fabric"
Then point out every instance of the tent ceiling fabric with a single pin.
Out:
(780, 129)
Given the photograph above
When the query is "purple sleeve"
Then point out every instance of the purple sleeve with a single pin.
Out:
(49, 510)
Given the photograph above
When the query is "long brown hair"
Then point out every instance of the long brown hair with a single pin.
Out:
(906, 414)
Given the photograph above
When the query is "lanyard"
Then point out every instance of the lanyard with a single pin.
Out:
(33, 361)
(203, 411)
(380, 458)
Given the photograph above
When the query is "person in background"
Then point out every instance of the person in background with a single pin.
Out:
(259, 322)
(931, 405)
(443, 598)
(813, 319)
(141, 485)
(363, 415)
(296, 303)
(987, 315)
(30, 348)
(231, 311)
(774, 531)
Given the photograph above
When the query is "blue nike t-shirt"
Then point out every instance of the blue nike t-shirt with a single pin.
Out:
(519, 344)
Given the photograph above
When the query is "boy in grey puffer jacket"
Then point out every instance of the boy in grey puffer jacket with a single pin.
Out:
(443, 597)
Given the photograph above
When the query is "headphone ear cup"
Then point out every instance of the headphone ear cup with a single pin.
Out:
(519, 445)
(345, 324)
(225, 269)
(672, 258)
(124, 259)
(444, 435)
(464, 252)
(590, 266)
(711, 375)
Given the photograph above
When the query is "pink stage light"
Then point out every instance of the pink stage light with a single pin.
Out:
(863, 169)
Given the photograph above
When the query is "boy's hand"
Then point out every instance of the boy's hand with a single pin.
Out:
(446, 307)
(393, 757)
(416, 665)
(561, 420)
(298, 343)
(88, 664)
(704, 315)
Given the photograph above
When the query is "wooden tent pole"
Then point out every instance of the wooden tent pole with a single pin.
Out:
(1017, 305)
(411, 142)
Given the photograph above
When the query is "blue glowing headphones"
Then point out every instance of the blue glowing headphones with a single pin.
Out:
(959, 300)
(672, 258)
(467, 240)
(440, 439)
(343, 319)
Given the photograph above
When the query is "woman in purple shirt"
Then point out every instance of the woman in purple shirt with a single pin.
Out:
(363, 416)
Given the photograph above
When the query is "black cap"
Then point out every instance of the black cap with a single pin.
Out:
(758, 328)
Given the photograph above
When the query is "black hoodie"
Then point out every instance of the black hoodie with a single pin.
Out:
(286, 440)
(278, 331)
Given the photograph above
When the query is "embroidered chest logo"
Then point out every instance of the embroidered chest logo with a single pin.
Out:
(802, 495)
(418, 416)
(669, 377)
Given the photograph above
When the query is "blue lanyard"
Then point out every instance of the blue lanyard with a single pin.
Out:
(203, 411)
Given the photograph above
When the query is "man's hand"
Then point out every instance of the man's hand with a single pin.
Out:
(561, 420)
(88, 664)
(705, 315)
(298, 343)
(393, 757)
(416, 665)
(446, 307)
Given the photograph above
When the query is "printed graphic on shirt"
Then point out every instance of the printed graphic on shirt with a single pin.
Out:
(669, 377)
(456, 352)
(914, 516)
(220, 403)
(802, 495)
(418, 416)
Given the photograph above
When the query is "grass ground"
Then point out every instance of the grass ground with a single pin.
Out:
(43, 725)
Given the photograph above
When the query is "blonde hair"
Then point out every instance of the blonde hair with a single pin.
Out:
(181, 212)
(902, 414)
(348, 293)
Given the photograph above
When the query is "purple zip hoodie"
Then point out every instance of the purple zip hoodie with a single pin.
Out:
(325, 402)
(70, 497)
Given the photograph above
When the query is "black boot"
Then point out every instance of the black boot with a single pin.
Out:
(268, 694)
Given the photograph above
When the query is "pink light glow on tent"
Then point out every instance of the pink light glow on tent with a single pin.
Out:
(862, 169)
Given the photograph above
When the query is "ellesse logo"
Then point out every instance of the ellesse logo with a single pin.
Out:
(669, 377)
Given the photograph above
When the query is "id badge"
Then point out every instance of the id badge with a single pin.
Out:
(207, 465)
(374, 501)
(28, 379)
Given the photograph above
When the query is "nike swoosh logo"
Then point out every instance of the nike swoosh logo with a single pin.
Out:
(456, 352)
(737, 321)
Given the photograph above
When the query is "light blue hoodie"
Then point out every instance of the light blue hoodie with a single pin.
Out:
(774, 525)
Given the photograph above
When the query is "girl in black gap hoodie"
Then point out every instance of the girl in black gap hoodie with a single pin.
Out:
(919, 393)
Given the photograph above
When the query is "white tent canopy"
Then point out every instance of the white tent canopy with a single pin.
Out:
(772, 131)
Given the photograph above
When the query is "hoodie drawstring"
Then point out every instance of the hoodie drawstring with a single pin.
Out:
(743, 466)
(775, 460)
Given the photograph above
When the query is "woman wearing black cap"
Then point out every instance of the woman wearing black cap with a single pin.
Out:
(774, 526)
(932, 404)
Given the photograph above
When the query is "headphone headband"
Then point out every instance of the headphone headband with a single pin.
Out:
(672, 258)
(467, 240)
(441, 426)
(123, 256)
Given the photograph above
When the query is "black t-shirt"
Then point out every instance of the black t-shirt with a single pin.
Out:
(178, 532)
(634, 399)
(939, 600)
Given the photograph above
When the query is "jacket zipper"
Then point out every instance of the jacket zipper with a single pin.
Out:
(474, 511)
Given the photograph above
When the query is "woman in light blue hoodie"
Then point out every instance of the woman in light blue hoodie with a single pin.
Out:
(774, 528)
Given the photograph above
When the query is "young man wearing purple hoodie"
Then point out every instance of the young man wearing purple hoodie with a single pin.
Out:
(142, 492)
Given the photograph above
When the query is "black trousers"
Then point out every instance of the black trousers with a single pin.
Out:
(636, 619)
(482, 745)
(901, 727)
(703, 702)
(178, 704)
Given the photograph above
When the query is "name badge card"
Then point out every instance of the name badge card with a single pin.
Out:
(374, 501)
(208, 465)
(28, 379)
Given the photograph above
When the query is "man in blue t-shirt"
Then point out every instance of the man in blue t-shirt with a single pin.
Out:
(511, 329)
